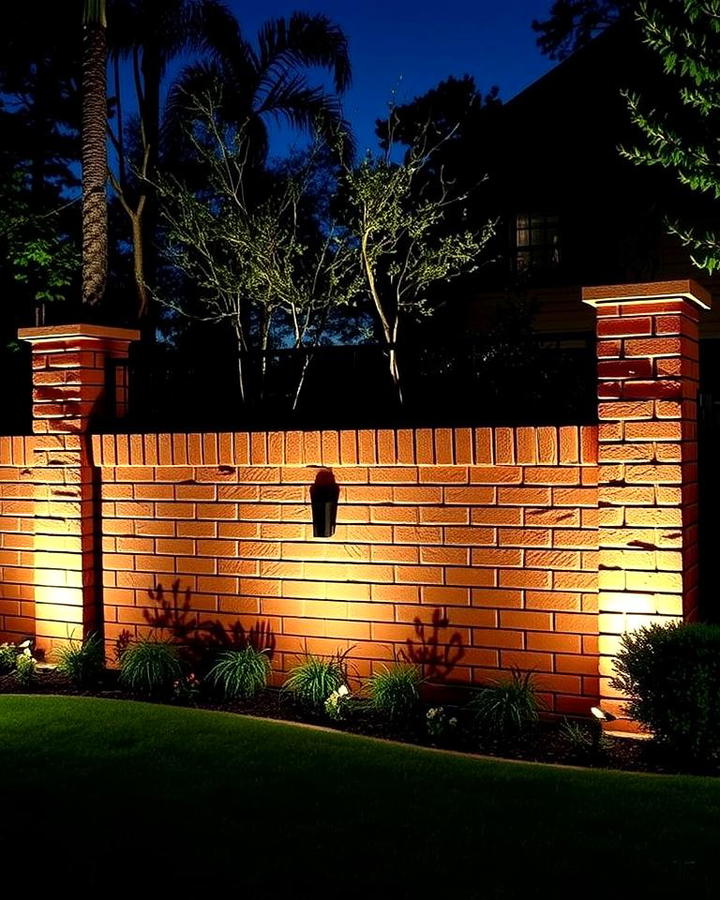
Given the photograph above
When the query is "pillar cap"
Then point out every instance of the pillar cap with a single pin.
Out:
(647, 293)
(65, 332)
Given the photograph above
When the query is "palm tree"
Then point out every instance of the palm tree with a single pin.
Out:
(94, 152)
(268, 82)
(151, 33)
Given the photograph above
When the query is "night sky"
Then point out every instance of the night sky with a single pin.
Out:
(408, 46)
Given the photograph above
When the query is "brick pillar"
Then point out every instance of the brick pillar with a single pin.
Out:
(647, 406)
(69, 364)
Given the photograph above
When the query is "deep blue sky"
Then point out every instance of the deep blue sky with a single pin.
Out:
(408, 46)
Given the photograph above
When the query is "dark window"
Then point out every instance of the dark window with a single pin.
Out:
(537, 242)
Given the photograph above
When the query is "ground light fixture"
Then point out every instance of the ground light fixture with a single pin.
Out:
(324, 496)
(599, 717)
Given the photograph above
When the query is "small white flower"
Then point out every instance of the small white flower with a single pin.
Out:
(343, 691)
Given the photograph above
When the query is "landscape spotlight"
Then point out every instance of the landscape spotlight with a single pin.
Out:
(600, 716)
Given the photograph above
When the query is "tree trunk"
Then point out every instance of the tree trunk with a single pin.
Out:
(144, 244)
(138, 264)
(94, 163)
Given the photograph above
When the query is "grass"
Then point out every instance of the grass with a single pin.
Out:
(101, 792)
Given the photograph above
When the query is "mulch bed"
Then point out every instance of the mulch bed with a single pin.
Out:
(547, 743)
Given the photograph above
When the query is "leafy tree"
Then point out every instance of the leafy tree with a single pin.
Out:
(683, 137)
(39, 252)
(574, 23)
(40, 49)
(398, 217)
(457, 119)
(261, 260)
(149, 34)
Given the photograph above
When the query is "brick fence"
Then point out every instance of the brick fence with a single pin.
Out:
(471, 551)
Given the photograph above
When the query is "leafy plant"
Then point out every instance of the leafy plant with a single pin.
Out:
(240, 674)
(187, 689)
(150, 666)
(8, 656)
(394, 690)
(507, 708)
(25, 667)
(581, 739)
(314, 679)
(439, 724)
(671, 676)
(337, 704)
(82, 662)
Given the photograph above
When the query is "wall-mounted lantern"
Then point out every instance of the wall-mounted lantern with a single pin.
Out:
(324, 495)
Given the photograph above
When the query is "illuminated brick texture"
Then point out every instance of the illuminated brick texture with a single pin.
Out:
(469, 550)
(17, 541)
(68, 387)
(648, 481)
(482, 540)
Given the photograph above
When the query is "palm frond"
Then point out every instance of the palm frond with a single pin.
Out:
(305, 40)
(307, 108)
(95, 13)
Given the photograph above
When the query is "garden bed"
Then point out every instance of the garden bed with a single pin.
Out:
(548, 742)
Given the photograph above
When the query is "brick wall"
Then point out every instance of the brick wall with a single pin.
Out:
(481, 541)
(17, 508)
(470, 550)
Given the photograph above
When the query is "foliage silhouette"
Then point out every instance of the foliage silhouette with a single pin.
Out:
(199, 638)
(436, 657)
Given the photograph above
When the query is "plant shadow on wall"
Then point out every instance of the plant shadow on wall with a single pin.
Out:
(172, 617)
(436, 655)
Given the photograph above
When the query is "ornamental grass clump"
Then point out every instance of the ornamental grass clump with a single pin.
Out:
(507, 709)
(394, 690)
(150, 667)
(240, 674)
(671, 677)
(83, 663)
(315, 678)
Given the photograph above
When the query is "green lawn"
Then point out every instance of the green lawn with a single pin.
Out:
(126, 796)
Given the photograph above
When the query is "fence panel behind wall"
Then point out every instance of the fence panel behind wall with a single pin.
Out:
(466, 382)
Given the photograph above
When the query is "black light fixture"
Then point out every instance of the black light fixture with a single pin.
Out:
(324, 495)
(600, 716)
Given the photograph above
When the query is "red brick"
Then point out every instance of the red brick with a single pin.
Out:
(496, 474)
(483, 446)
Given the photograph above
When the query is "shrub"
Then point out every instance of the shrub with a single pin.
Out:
(240, 674)
(83, 663)
(150, 667)
(671, 676)
(8, 657)
(25, 666)
(394, 691)
(313, 680)
(507, 708)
